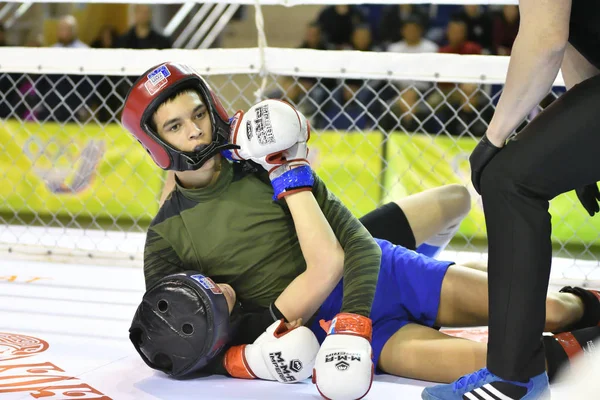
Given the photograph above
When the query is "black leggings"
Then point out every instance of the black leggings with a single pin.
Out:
(388, 222)
(557, 152)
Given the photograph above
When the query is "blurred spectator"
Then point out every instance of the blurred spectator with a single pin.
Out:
(438, 21)
(313, 38)
(506, 26)
(338, 22)
(142, 35)
(362, 40)
(373, 14)
(412, 39)
(479, 26)
(394, 16)
(2, 36)
(104, 101)
(67, 33)
(107, 38)
(346, 108)
(64, 96)
(459, 109)
(20, 96)
(35, 39)
(317, 88)
(472, 119)
(406, 105)
(458, 42)
(301, 91)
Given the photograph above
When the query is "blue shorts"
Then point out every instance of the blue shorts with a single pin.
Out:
(408, 290)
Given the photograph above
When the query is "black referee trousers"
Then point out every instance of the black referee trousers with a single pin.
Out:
(557, 152)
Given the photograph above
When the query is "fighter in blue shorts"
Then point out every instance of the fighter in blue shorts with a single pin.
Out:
(416, 294)
(186, 323)
(408, 291)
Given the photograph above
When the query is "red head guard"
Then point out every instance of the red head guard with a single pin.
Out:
(149, 92)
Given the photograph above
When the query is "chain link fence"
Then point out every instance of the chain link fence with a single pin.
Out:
(70, 173)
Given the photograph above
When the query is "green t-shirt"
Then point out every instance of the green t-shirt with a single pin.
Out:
(235, 233)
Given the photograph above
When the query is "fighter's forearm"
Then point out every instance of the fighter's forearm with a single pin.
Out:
(304, 295)
(320, 247)
(533, 67)
(323, 255)
(362, 255)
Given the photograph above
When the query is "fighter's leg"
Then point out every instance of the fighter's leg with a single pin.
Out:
(421, 352)
(433, 211)
(464, 302)
(430, 217)
(435, 216)
(479, 265)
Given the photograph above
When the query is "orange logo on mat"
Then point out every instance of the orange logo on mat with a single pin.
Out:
(42, 379)
(20, 279)
(13, 347)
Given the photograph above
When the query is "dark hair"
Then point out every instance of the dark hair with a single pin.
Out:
(97, 43)
(362, 26)
(414, 19)
(458, 20)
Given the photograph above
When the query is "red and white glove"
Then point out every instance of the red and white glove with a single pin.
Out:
(344, 367)
(279, 354)
(271, 133)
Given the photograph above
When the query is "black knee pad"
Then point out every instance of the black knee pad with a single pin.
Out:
(388, 222)
(591, 304)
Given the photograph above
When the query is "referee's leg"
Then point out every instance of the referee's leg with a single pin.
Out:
(555, 153)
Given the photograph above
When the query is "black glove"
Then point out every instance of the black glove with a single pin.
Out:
(589, 195)
(480, 157)
(253, 323)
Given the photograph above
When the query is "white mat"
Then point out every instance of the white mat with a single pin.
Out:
(83, 313)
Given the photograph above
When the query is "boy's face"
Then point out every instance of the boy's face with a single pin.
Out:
(142, 14)
(361, 39)
(313, 36)
(183, 122)
(457, 33)
(412, 32)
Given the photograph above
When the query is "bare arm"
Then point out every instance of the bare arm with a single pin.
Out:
(168, 188)
(575, 68)
(361, 261)
(324, 259)
(361, 258)
(536, 58)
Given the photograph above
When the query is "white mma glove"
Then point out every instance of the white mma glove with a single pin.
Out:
(344, 367)
(275, 135)
(295, 156)
(279, 354)
(266, 130)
